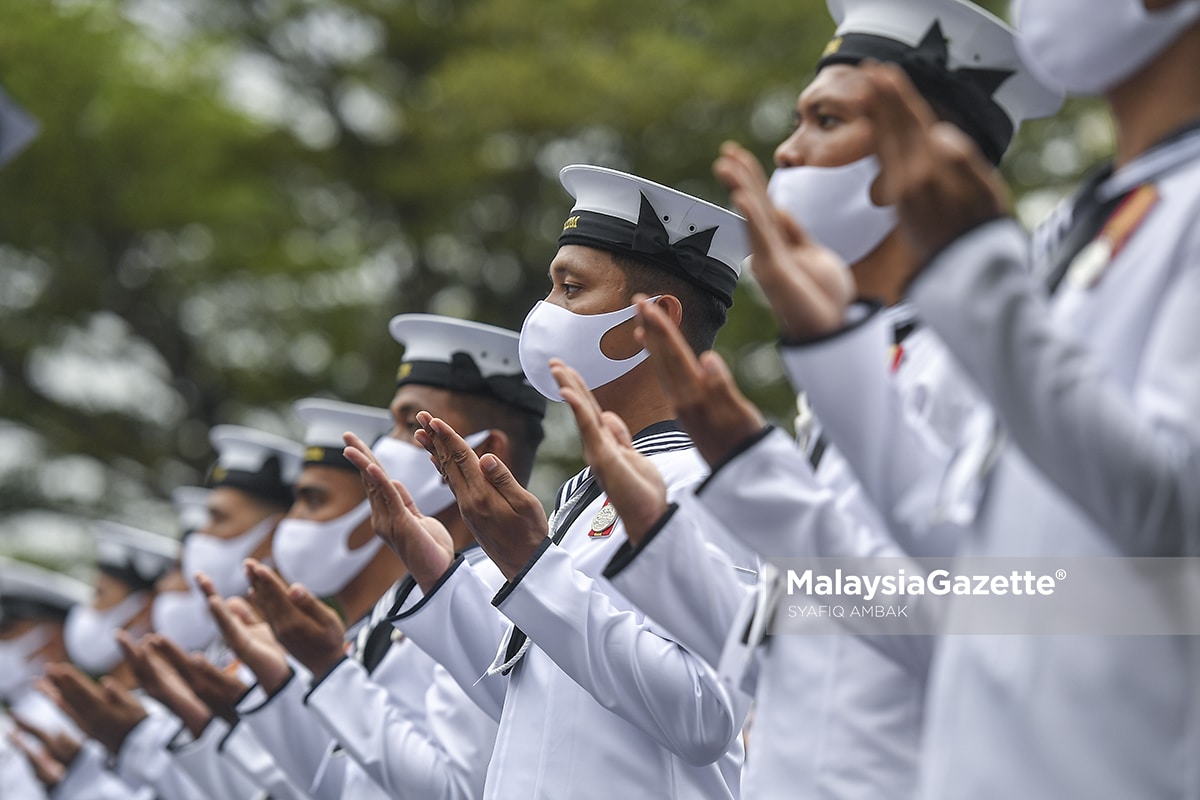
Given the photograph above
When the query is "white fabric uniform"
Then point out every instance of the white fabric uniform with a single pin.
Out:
(304, 749)
(1099, 390)
(862, 709)
(144, 759)
(444, 758)
(17, 778)
(604, 703)
(88, 778)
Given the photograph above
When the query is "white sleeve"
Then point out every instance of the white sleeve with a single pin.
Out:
(767, 495)
(649, 681)
(144, 759)
(893, 449)
(251, 762)
(459, 628)
(445, 759)
(203, 761)
(288, 731)
(681, 580)
(1130, 460)
(88, 779)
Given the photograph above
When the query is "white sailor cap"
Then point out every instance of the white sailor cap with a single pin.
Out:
(688, 237)
(960, 57)
(255, 462)
(31, 592)
(131, 555)
(326, 420)
(191, 504)
(463, 356)
(17, 128)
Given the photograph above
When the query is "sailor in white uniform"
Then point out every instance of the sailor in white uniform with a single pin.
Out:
(836, 717)
(33, 606)
(1096, 389)
(325, 542)
(468, 372)
(593, 698)
(118, 718)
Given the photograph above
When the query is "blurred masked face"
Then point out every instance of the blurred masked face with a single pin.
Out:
(232, 512)
(411, 399)
(830, 130)
(326, 539)
(239, 527)
(826, 174)
(89, 633)
(181, 613)
(406, 461)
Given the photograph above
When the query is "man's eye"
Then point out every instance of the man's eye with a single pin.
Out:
(827, 121)
(570, 289)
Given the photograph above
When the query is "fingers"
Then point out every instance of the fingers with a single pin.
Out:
(517, 497)
(581, 401)
(206, 585)
(305, 601)
(455, 458)
(33, 730)
(241, 610)
(900, 117)
(172, 654)
(673, 357)
(270, 592)
(617, 428)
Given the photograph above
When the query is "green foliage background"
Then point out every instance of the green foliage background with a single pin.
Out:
(230, 198)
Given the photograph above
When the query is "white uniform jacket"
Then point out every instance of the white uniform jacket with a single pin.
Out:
(604, 703)
(444, 758)
(302, 747)
(1099, 390)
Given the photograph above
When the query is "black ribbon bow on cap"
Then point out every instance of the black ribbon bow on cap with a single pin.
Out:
(688, 255)
(932, 55)
(967, 89)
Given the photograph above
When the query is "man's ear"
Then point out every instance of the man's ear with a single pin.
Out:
(673, 308)
(498, 444)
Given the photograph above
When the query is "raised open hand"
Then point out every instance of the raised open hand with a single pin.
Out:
(421, 542)
(808, 286)
(310, 630)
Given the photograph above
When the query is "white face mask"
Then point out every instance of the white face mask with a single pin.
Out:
(90, 635)
(17, 668)
(221, 559)
(551, 331)
(184, 618)
(408, 463)
(833, 205)
(318, 554)
(1087, 47)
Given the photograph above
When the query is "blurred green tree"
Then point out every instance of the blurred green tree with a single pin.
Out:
(230, 198)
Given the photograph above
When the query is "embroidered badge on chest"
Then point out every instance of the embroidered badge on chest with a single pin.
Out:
(604, 522)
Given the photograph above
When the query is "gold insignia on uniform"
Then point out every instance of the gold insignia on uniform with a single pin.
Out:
(572, 222)
(314, 454)
(833, 46)
(219, 473)
(403, 372)
(602, 523)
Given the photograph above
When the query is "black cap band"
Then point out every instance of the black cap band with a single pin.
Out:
(327, 457)
(126, 574)
(28, 608)
(462, 374)
(647, 240)
(966, 91)
(266, 484)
